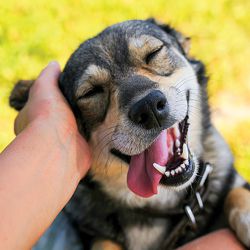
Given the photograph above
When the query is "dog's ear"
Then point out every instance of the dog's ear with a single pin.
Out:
(20, 93)
(182, 41)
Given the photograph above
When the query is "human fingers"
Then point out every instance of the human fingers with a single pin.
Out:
(46, 85)
(21, 121)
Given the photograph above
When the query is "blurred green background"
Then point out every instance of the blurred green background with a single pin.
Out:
(34, 32)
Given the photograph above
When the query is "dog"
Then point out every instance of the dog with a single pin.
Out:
(162, 174)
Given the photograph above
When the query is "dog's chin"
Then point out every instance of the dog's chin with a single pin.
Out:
(181, 167)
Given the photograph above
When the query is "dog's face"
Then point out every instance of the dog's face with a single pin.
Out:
(137, 100)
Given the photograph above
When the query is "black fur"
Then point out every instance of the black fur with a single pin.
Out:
(102, 216)
(93, 211)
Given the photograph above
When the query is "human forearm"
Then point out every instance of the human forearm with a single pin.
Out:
(48, 165)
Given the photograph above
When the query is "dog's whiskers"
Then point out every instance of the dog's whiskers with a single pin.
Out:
(104, 146)
(179, 84)
(112, 127)
(192, 91)
(107, 134)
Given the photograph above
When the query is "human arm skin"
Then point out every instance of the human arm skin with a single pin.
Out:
(40, 169)
(222, 239)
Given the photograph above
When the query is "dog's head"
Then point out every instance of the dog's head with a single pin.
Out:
(137, 100)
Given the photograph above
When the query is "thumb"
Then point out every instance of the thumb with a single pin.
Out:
(46, 85)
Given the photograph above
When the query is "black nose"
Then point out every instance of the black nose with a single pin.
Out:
(151, 111)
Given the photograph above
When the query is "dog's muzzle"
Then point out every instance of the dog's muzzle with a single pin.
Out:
(168, 160)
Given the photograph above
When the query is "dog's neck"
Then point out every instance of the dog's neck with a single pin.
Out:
(92, 200)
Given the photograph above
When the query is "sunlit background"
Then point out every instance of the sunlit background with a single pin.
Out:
(34, 32)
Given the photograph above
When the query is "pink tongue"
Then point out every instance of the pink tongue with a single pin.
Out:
(143, 179)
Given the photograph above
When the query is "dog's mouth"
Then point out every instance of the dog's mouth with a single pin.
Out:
(168, 161)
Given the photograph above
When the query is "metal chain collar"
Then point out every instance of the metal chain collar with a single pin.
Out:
(193, 206)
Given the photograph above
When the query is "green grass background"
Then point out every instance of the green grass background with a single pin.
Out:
(35, 32)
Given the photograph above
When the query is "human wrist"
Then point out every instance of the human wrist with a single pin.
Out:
(54, 128)
(57, 163)
(66, 141)
(45, 164)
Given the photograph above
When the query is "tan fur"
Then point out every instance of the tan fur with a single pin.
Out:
(93, 75)
(237, 208)
(105, 245)
(139, 47)
(238, 197)
(100, 144)
(111, 171)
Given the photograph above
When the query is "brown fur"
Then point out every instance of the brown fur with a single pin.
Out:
(237, 208)
(104, 117)
(237, 198)
(105, 245)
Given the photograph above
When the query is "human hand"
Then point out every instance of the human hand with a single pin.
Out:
(42, 166)
(217, 240)
(48, 108)
(46, 102)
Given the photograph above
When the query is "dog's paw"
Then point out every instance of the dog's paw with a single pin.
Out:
(239, 220)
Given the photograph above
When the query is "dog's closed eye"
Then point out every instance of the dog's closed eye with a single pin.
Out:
(150, 56)
(91, 92)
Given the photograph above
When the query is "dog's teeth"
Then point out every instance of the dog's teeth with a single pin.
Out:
(178, 170)
(183, 166)
(177, 143)
(160, 168)
(172, 172)
(184, 154)
(167, 173)
(186, 162)
(176, 131)
(178, 151)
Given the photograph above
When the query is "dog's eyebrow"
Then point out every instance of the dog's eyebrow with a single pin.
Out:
(143, 44)
(94, 73)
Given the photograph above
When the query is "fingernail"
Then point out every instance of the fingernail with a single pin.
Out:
(53, 63)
